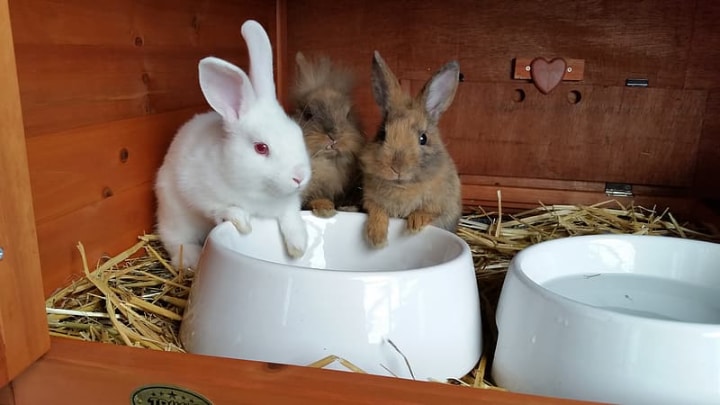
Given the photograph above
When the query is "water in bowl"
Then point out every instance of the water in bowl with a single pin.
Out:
(642, 295)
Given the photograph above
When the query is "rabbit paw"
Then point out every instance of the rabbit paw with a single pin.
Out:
(294, 233)
(323, 208)
(238, 216)
(295, 250)
(376, 231)
(417, 220)
(190, 256)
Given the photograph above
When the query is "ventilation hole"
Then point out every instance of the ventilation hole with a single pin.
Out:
(124, 154)
(107, 192)
(462, 77)
(518, 95)
(574, 97)
(139, 41)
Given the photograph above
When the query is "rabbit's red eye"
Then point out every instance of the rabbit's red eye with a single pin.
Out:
(422, 139)
(262, 148)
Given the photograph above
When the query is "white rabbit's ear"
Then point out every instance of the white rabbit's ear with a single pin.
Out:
(439, 91)
(226, 88)
(261, 59)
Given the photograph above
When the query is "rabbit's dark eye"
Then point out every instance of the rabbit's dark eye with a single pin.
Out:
(422, 138)
(307, 115)
(380, 137)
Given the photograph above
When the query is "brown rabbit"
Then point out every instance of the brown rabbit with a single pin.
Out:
(407, 172)
(325, 112)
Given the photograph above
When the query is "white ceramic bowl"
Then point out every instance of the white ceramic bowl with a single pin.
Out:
(250, 301)
(612, 318)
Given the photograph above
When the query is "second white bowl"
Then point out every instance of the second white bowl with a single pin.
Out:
(613, 318)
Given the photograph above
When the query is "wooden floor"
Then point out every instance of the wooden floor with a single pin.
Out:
(84, 373)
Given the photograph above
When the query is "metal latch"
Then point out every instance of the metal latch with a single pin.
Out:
(618, 189)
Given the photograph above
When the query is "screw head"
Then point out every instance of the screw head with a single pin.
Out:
(527, 68)
(569, 69)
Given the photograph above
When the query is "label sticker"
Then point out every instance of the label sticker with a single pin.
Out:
(167, 395)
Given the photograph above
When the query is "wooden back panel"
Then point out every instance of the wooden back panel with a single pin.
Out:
(82, 62)
(664, 135)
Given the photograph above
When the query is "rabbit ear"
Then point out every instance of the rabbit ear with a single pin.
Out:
(261, 59)
(439, 91)
(226, 87)
(301, 61)
(304, 68)
(385, 86)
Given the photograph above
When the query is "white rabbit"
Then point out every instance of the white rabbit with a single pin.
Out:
(246, 158)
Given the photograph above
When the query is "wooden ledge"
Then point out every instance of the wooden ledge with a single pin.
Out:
(74, 372)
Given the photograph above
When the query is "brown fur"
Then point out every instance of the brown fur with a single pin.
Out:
(403, 178)
(325, 112)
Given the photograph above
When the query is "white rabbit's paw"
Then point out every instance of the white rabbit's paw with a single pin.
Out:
(296, 243)
(238, 216)
(190, 256)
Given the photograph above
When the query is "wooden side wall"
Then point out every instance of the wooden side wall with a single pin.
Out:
(666, 135)
(104, 86)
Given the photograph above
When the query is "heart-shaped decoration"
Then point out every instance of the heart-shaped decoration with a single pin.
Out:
(546, 75)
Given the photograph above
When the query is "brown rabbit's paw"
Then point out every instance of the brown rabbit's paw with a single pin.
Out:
(417, 220)
(323, 208)
(376, 227)
(376, 235)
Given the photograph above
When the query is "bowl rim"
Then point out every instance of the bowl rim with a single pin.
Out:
(463, 254)
(591, 311)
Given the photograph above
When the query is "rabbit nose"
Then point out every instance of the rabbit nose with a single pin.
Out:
(397, 161)
(299, 176)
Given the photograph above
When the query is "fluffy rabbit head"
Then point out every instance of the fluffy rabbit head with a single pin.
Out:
(408, 145)
(324, 108)
(265, 146)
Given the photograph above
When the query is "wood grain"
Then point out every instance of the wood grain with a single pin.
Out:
(517, 198)
(82, 62)
(75, 168)
(613, 134)
(106, 227)
(707, 179)
(75, 372)
(23, 327)
(616, 39)
(704, 52)
(7, 397)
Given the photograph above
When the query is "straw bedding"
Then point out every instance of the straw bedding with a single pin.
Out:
(137, 298)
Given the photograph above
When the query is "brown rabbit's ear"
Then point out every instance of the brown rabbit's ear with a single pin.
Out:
(385, 86)
(301, 62)
(439, 91)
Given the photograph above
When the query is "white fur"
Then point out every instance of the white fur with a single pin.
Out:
(212, 173)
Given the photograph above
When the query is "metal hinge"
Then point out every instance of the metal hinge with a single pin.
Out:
(618, 189)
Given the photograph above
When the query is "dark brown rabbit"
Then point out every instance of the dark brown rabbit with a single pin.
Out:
(325, 112)
(407, 172)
